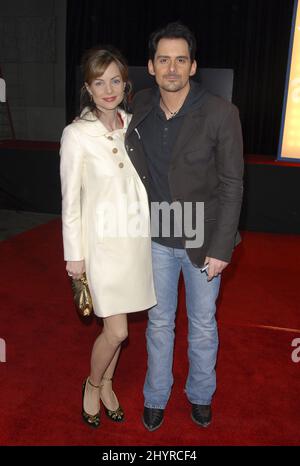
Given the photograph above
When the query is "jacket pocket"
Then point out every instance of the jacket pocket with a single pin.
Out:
(201, 154)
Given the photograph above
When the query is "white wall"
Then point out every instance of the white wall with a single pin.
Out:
(32, 58)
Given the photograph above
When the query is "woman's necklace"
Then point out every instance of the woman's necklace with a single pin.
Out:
(116, 124)
(167, 108)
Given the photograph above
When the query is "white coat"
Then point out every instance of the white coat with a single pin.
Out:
(105, 216)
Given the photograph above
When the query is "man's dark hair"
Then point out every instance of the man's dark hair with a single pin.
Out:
(175, 30)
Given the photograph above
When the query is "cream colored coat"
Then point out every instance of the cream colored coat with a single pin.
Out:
(105, 217)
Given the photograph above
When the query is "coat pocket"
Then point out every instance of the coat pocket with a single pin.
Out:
(199, 155)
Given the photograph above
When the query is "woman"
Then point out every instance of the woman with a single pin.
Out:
(105, 214)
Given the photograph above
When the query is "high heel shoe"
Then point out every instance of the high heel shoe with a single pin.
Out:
(91, 420)
(118, 414)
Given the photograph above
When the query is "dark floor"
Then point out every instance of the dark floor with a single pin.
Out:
(13, 222)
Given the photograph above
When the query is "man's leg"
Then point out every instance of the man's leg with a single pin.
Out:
(201, 298)
(160, 329)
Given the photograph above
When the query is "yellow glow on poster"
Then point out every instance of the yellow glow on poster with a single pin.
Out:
(291, 132)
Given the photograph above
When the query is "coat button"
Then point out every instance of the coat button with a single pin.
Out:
(121, 165)
(115, 150)
(144, 177)
(110, 138)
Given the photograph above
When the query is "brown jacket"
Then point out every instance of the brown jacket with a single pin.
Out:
(206, 166)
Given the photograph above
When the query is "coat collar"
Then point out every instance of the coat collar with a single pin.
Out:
(94, 127)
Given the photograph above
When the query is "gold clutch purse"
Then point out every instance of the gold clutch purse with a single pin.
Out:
(82, 296)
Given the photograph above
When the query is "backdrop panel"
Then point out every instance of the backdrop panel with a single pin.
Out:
(271, 198)
(249, 36)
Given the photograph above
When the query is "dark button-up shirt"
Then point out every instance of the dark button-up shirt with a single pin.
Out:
(158, 136)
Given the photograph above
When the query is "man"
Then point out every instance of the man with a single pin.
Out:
(186, 145)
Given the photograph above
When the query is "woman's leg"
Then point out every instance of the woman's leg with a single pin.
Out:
(104, 358)
(107, 395)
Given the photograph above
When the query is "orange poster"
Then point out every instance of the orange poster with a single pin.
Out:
(290, 132)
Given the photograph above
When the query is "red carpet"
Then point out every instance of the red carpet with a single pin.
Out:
(47, 353)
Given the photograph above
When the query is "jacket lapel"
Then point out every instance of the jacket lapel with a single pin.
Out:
(137, 118)
(190, 126)
(141, 107)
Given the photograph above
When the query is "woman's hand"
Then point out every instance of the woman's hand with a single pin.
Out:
(75, 269)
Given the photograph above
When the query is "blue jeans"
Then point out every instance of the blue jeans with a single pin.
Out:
(201, 297)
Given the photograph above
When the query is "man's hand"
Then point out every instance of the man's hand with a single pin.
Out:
(215, 267)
